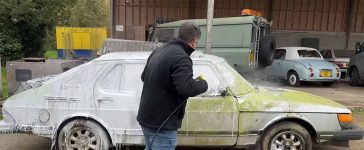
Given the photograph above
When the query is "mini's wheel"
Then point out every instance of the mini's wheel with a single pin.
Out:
(81, 134)
(354, 77)
(293, 79)
(286, 136)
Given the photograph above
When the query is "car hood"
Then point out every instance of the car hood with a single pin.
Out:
(281, 100)
(314, 62)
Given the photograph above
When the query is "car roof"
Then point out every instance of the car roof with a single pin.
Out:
(292, 52)
(295, 48)
(196, 56)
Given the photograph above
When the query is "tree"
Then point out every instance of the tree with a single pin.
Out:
(86, 13)
(27, 27)
(80, 13)
(26, 22)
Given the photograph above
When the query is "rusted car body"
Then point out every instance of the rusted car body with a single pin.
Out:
(95, 106)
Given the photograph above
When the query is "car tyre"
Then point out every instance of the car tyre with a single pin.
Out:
(82, 134)
(286, 135)
(293, 79)
(327, 84)
(354, 77)
(266, 47)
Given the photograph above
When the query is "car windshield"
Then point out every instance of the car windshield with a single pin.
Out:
(237, 84)
(308, 53)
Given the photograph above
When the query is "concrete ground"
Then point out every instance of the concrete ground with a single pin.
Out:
(342, 92)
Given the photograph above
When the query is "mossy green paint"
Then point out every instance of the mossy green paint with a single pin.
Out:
(263, 99)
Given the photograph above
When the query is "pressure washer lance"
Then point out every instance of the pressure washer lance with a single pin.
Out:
(201, 77)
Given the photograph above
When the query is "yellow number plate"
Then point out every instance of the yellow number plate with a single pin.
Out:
(325, 73)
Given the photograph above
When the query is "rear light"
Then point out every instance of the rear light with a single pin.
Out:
(340, 65)
(251, 58)
(311, 72)
(345, 120)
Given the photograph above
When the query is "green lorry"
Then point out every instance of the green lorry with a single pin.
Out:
(243, 41)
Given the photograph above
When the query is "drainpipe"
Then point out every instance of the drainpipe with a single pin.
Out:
(210, 16)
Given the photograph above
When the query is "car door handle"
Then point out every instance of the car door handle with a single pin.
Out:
(106, 99)
(279, 63)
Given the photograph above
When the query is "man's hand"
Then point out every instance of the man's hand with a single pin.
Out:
(201, 78)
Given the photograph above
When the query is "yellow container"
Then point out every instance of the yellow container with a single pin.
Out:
(79, 40)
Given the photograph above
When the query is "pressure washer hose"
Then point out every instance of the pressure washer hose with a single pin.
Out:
(155, 134)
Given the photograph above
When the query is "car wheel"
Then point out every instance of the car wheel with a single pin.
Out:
(293, 79)
(354, 77)
(286, 135)
(327, 83)
(82, 134)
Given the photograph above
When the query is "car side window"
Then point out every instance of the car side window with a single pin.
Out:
(112, 81)
(214, 84)
(83, 75)
(132, 81)
(279, 54)
(124, 78)
(164, 35)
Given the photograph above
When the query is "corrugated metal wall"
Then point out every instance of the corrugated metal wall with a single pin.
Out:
(230, 8)
(301, 15)
(358, 16)
(310, 15)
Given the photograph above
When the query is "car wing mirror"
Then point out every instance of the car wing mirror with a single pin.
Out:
(223, 92)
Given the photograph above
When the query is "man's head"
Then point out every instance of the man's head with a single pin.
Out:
(190, 32)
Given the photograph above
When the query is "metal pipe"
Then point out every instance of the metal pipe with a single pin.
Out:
(210, 16)
(112, 18)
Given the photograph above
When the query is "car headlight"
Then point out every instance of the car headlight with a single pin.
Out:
(345, 120)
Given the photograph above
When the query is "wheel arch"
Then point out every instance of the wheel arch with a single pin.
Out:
(301, 121)
(68, 119)
(289, 71)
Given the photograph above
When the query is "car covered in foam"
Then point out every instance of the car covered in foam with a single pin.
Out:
(94, 106)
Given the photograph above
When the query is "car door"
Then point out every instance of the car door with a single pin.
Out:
(117, 93)
(278, 61)
(210, 118)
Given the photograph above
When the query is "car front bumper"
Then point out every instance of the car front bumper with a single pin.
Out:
(321, 80)
(354, 132)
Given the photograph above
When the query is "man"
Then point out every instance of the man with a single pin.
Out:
(168, 83)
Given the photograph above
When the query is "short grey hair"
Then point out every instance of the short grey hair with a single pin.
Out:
(189, 32)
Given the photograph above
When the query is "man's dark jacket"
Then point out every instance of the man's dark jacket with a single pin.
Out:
(168, 82)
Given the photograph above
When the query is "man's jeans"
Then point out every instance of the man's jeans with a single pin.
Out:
(164, 140)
